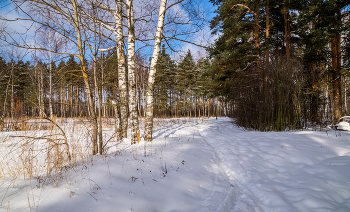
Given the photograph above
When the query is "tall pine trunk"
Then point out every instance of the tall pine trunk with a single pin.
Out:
(336, 77)
(256, 38)
(267, 51)
(285, 12)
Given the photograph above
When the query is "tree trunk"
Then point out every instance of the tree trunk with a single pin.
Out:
(102, 86)
(257, 42)
(336, 63)
(314, 93)
(97, 93)
(131, 73)
(86, 79)
(122, 81)
(12, 92)
(151, 77)
(50, 79)
(77, 102)
(208, 108)
(116, 113)
(267, 51)
(336, 75)
(285, 12)
(71, 107)
(42, 107)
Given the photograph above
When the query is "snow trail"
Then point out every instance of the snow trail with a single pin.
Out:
(195, 165)
(283, 171)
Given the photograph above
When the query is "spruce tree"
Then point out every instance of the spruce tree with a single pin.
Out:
(185, 82)
(164, 84)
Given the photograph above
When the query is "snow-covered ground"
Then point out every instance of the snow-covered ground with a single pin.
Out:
(196, 165)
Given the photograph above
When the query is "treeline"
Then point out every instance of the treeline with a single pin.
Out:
(183, 89)
(282, 64)
(25, 88)
(180, 88)
(91, 87)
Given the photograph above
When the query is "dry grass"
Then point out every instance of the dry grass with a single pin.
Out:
(35, 156)
(38, 149)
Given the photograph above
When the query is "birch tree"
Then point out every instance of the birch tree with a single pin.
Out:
(193, 21)
(131, 74)
(152, 72)
(123, 101)
(121, 105)
(85, 77)
(63, 18)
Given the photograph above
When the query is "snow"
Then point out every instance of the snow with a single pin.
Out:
(195, 165)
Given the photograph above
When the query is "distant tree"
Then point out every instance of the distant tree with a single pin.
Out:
(185, 81)
(164, 84)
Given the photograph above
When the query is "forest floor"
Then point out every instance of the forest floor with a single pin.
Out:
(198, 165)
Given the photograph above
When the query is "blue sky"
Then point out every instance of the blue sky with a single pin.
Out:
(204, 37)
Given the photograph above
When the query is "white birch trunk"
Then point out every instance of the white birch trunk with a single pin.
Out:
(123, 101)
(131, 73)
(97, 93)
(143, 98)
(152, 72)
(102, 86)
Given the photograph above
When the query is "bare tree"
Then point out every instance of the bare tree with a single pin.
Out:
(152, 73)
(85, 77)
(122, 82)
(62, 17)
(131, 73)
(117, 29)
(189, 26)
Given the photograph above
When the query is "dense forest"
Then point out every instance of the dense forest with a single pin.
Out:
(282, 64)
(180, 89)
(276, 65)
(174, 105)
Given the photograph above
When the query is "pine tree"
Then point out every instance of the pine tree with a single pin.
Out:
(185, 82)
(237, 68)
(164, 84)
(320, 24)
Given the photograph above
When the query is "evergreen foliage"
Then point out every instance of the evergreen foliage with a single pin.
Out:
(276, 76)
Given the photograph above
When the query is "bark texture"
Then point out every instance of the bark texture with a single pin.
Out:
(152, 72)
(285, 12)
(98, 96)
(267, 52)
(50, 79)
(122, 81)
(131, 74)
(336, 63)
(86, 79)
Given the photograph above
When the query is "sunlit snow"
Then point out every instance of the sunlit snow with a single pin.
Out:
(195, 165)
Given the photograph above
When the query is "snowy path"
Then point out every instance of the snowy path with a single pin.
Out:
(279, 171)
(200, 166)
